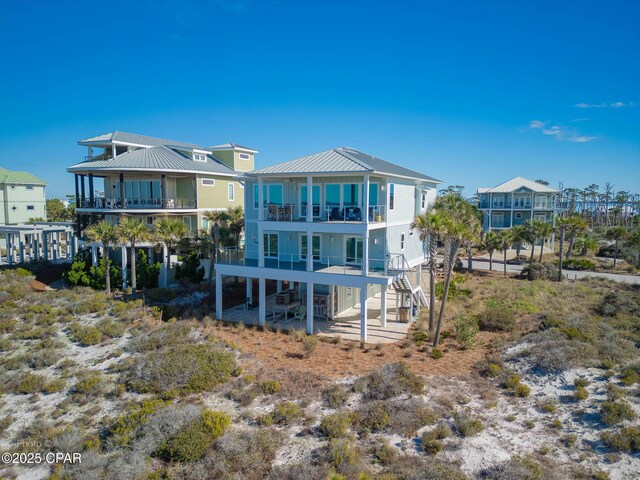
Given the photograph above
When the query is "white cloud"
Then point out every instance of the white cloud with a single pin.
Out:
(581, 139)
(606, 105)
(554, 130)
(537, 124)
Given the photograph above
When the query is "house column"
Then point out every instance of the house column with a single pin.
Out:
(9, 247)
(45, 245)
(365, 220)
(163, 190)
(122, 199)
(309, 252)
(262, 300)
(260, 199)
(74, 245)
(309, 199)
(383, 306)
(397, 309)
(82, 194)
(91, 193)
(218, 296)
(512, 201)
(309, 308)
(34, 246)
(419, 281)
(365, 201)
(249, 289)
(278, 286)
(22, 239)
(164, 272)
(54, 246)
(260, 246)
(124, 258)
(77, 204)
(363, 313)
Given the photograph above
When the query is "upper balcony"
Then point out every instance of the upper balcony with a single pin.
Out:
(137, 203)
(323, 213)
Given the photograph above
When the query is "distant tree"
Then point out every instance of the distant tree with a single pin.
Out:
(634, 242)
(133, 230)
(505, 238)
(56, 211)
(169, 231)
(543, 182)
(104, 233)
(573, 225)
(491, 242)
(616, 234)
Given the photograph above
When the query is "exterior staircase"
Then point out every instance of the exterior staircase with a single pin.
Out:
(401, 283)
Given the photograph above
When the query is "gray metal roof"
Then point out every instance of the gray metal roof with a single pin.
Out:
(516, 183)
(156, 159)
(341, 160)
(26, 178)
(229, 145)
(135, 139)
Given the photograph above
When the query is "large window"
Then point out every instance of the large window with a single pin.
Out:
(315, 245)
(271, 245)
(315, 199)
(351, 194)
(141, 192)
(353, 250)
(373, 194)
(392, 194)
(332, 195)
(271, 193)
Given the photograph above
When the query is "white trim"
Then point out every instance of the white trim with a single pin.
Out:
(300, 199)
(266, 245)
(240, 156)
(232, 197)
(300, 243)
(146, 170)
(344, 243)
(208, 184)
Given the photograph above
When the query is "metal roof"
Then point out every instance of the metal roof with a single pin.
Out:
(26, 178)
(229, 145)
(135, 139)
(516, 183)
(155, 159)
(342, 160)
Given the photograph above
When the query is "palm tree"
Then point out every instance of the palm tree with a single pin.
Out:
(543, 230)
(169, 231)
(518, 235)
(235, 222)
(561, 226)
(460, 224)
(104, 233)
(218, 220)
(634, 242)
(430, 226)
(491, 242)
(505, 237)
(573, 225)
(529, 235)
(133, 230)
(616, 234)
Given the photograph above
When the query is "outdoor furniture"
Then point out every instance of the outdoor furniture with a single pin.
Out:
(284, 309)
(301, 313)
(355, 215)
(285, 212)
(336, 214)
(283, 298)
(272, 211)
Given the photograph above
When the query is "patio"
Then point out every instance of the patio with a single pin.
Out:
(346, 324)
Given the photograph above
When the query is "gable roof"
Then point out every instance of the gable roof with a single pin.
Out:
(135, 139)
(516, 183)
(23, 178)
(229, 145)
(160, 158)
(341, 160)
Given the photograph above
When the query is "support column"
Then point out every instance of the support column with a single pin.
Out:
(77, 204)
(249, 289)
(260, 246)
(54, 247)
(309, 252)
(410, 306)
(164, 271)
(260, 199)
(124, 258)
(91, 193)
(163, 190)
(218, 296)
(82, 195)
(262, 300)
(278, 286)
(45, 245)
(74, 245)
(122, 199)
(309, 308)
(309, 198)
(34, 246)
(383, 306)
(397, 309)
(363, 313)
(9, 246)
(365, 201)
(419, 280)
(365, 252)
(94, 256)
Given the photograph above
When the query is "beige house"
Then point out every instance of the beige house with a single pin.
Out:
(126, 173)
(22, 197)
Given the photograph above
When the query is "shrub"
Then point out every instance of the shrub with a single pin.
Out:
(613, 413)
(521, 390)
(84, 335)
(270, 387)
(373, 416)
(216, 422)
(186, 368)
(513, 381)
(493, 370)
(110, 328)
(436, 353)
(581, 393)
(630, 375)
(465, 330)
(420, 337)
(579, 264)
(286, 413)
(335, 425)
(539, 271)
(342, 454)
(146, 274)
(627, 439)
(336, 396)
(515, 468)
(466, 425)
(309, 345)
(496, 317)
(408, 416)
(126, 426)
(189, 444)
(31, 383)
(382, 452)
(580, 382)
(389, 381)
(55, 386)
(89, 383)
(190, 270)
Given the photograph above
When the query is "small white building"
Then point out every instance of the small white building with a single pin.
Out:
(336, 225)
(22, 197)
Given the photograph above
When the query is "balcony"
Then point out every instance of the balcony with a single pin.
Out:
(138, 203)
(326, 213)
(341, 265)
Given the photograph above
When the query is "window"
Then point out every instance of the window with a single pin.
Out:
(411, 233)
(231, 192)
(315, 245)
(332, 195)
(30, 207)
(518, 214)
(208, 182)
(423, 203)
(244, 156)
(271, 193)
(29, 187)
(351, 195)
(373, 194)
(149, 220)
(315, 199)
(392, 192)
(353, 250)
(199, 158)
(271, 245)
(402, 241)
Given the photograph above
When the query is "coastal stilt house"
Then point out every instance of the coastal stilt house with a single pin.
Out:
(335, 226)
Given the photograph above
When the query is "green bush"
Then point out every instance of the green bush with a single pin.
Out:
(513, 381)
(190, 270)
(84, 335)
(465, 330)
(309, 345)
(286, 413)
(88, 383)
(336, 396)
(581, 393)
(497, 316)
(126, 426)
(31, 383)
(521, 390)
(613, 413)
(436, 353)
(335, 425)
(270, 387)
(110, 328)
(189, 444)
(382, 452)
(146, 274)
(342, 453)
(431, 445)
(630, 375)
(466, 425)
(420, 337)
(373, 416)
(627, 439)
(216, 422)
(389, 381)
(580, 382)
(578, 264)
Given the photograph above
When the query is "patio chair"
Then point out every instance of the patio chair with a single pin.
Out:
(336, 214)
(301, 313)
(356, 215)
(272, 211)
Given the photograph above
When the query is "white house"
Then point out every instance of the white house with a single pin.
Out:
(336, 224)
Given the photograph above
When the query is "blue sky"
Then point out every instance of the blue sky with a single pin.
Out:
(470, 92)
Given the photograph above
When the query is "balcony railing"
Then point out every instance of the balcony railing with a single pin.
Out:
(91, 158)
(324, 263)
(327, 213)
(141, 203)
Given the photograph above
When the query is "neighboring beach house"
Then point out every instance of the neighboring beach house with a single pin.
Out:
(148, 177)
(335, 225)
(22, 197)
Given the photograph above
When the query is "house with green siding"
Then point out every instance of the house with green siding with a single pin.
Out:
(22, 197)
(335, 226)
